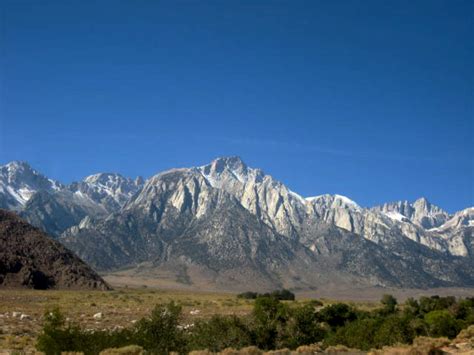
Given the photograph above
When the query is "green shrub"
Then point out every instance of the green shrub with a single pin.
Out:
(394, 330)
(358, 334)
(435, 303)
(282, 295)
(464, 310)
(389, 304)
(336, 315)
(411, 307)
(219, 333)
(58, 337)
(160, 333)
(442, 324)
(269, 319)
(273, 324)
(315, 303)
(248, 295)
(302, 328)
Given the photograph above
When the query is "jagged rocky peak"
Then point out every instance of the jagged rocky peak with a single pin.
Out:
(112, 180)
(112, 190)
(181, 189)
(19, 181)
(21, 173)
(188, 189)
(257, 192)
(139, 181)
(461, 219)
(228, 170)
(423, 206)
(337, 210)
(233, 163)
(17, 166)
(420, 212)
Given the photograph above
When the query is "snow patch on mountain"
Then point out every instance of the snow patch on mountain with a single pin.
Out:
(396, 216)
(297, 196)
(334, 200)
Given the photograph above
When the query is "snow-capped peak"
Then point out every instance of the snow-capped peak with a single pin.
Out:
(110, 189)
(19, 182)
(18, 165)
(105, 179)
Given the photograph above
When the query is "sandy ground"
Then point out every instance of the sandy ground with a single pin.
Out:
(331, 292)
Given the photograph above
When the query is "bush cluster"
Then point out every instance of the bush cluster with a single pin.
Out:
(282, 295)
(272, 325)
(429, 316)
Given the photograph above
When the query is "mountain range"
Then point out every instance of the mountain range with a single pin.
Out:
(228, 226)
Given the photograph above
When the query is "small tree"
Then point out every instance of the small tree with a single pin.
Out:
(411, 307)
(393, 330)
(442, 324)
(283, 295)
(270, 316)
(51, 340)
(160, 333)
(336, 315)
(302, 328)
(218, 333)
(389, 304)
(358, 334)
(249, 295)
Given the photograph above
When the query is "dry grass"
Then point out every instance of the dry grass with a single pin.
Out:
(128, 350)
(123, 306)
(463, 344)
(120, 308)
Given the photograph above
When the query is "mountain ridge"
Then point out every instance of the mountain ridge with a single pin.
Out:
(210, 218)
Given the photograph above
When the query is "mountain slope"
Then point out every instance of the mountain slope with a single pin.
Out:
(54, 212)
(185, 219)
(29, 258)
(179, 220)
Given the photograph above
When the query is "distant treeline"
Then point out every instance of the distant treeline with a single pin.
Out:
(271, 325)
(282, 295)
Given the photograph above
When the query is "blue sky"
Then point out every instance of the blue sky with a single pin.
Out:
(370, 99)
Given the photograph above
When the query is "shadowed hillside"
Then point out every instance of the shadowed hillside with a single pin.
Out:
(30, 259)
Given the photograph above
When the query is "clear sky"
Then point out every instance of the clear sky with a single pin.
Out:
(370, 99)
